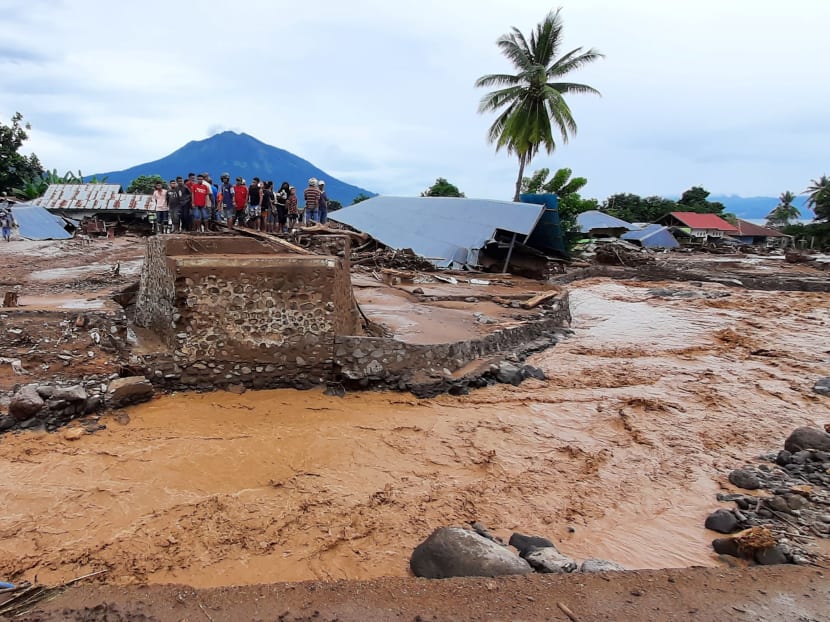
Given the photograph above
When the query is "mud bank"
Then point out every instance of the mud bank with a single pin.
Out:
(701, 594)
(618, 455)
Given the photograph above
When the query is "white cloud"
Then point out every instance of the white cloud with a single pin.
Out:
(727, 94)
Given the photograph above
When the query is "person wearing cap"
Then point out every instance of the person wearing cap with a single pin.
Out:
(323, 206)
(312, 201)
(254, 196)
(240, 202)
(225, 198)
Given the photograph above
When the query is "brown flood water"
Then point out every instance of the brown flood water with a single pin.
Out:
(649, 405)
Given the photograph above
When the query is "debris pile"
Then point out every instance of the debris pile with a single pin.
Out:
(776, 529)
(619, 253)
(382, 257)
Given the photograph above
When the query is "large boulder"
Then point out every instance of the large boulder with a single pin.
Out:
(744, 478)
(455, 552)
(26, 403)
(807, 438)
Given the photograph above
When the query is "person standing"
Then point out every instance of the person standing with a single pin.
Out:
(293, 210)
(201, 192)
(281, 206)
(324, 202)
(160, 207)
(240, 202)
(6, 222)
(174, 206)
(312, 200)
(266, 207)
(226, 192)
(254, 197)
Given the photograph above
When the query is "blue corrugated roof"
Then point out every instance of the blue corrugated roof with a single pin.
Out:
(652, 236)
(444, 229)
(594, 219)
(37, 223)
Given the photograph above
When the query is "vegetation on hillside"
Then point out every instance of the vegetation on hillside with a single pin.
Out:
(15, 168)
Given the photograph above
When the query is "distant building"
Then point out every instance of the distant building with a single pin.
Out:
(698, 226)
(756, 235)
(652, 236)
(597, 224)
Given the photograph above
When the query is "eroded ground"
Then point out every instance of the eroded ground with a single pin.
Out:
(661, 391)
(651, 402)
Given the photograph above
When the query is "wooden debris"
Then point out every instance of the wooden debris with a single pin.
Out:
(539, 299)
(564, 608)
(282, 245)
(10, 299)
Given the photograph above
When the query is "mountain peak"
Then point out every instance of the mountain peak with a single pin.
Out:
(241, 155)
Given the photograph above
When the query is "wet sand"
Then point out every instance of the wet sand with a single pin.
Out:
(619, 455)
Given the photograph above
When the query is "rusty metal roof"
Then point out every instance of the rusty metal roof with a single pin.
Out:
(93, 197)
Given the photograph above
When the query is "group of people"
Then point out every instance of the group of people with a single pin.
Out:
(198, 204)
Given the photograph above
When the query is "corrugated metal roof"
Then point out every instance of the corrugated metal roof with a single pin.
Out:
(446, 230)
(37, 223)
(652, 236)
(748, 229)
(91, 197)
(594, 219)
(704, 221)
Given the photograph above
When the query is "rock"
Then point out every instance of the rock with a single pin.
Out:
(722, 521)
(122, 417)
(238, 389)
(796, 502)
(822, 387)
(800, 457)
(456, 552)
(726, 546)
(771, 556)
(743, 478)
(508, 373)
(73, 434)
(26, 403)
(71, 394)
(6, 422)
(549, 560)
(92, 404)
(783, 458)
(600, 565)
(807, 438)
(418, 291)
(529, 371)
(527, 544)
(779, 504)
(130, 390)
(45, 391)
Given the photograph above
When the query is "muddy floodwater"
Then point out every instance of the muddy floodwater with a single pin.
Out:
(619, 455)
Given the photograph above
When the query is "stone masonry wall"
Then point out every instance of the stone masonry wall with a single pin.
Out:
(155, 303)
(392, 362)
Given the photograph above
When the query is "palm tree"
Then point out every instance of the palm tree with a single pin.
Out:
(818, 197)
(784, 212)
(531, 103)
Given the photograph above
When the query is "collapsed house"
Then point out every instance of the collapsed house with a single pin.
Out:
(459, 232)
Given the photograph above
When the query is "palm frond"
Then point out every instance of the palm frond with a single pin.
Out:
(499, 79)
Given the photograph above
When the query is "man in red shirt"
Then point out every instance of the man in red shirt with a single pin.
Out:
(240, 202)
(200, 193)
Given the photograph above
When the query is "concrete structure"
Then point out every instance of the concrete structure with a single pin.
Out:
(229, 309)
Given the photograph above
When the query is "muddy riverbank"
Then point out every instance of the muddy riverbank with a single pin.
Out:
(619, 455)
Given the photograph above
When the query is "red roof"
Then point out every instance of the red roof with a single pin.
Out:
(704, 221)
(747, 229)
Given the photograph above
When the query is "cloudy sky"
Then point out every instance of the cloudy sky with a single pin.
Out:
(728, 94)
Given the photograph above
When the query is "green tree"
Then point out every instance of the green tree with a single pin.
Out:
(531, 103)
(784, 212)
(818, 197)
(16, 169)
(145, 184)
(334, 205)
(695, 199)
(561, 184)
(360, 198)
(442, 188)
